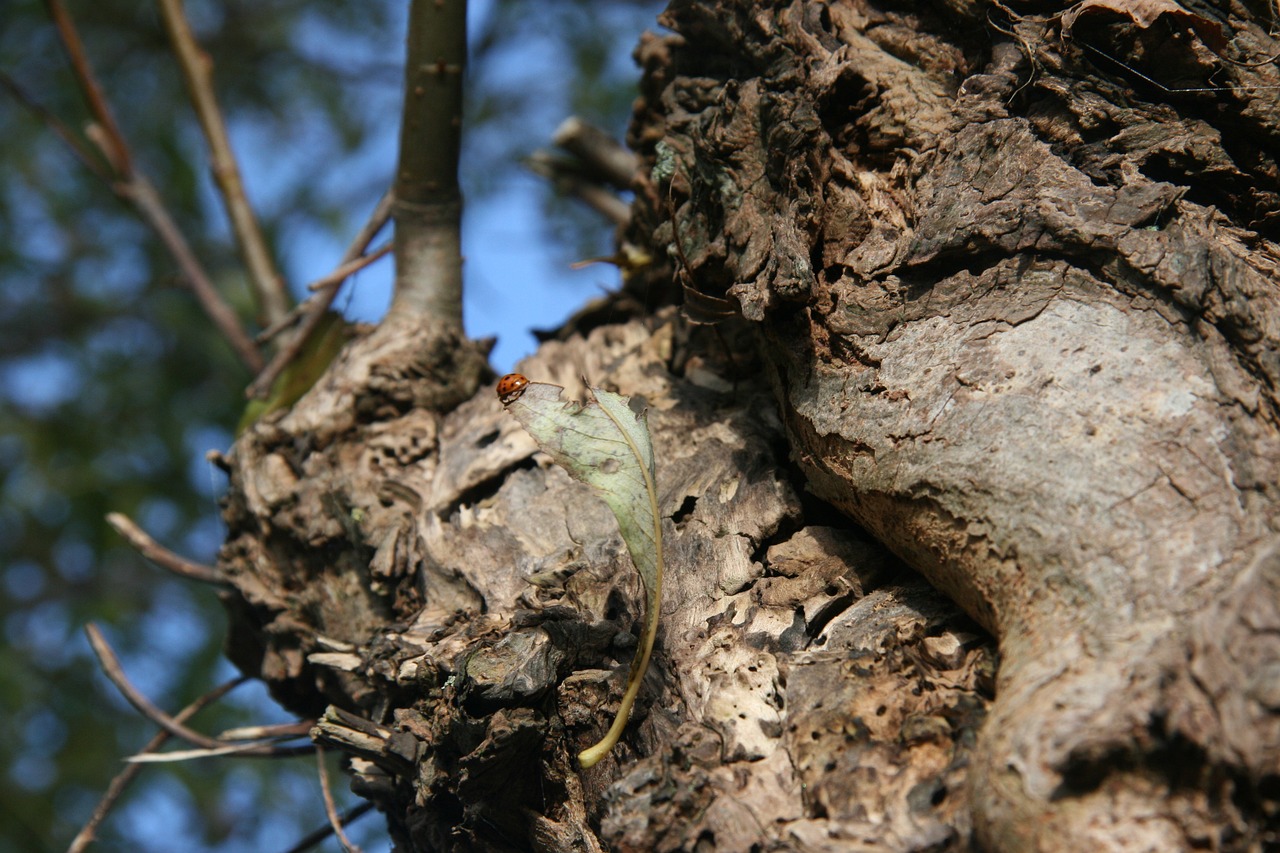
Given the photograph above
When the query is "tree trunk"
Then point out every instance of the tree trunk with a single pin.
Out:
(1003, 302)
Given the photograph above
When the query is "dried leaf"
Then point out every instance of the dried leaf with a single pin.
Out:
(1144, 13)
(602, 443)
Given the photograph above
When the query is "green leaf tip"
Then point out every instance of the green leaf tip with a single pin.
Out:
(604, 444)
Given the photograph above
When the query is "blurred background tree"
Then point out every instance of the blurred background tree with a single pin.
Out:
(115, 385)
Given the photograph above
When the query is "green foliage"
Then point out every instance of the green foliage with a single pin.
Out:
(114, 384)
(312, 361)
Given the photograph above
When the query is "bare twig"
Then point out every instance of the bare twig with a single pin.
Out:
(428, 209)
(351, 267)
(567, 178)
(197, 71)
(111, 667)
(91, 157)
(346, 819)
(314, 308)
(277, 730)
(122, 780)
(608, 159)
(330, 809)
(378, 220)
(131, 185)
(148, 203)
(177, 756)
(116, 150)
(160, 555)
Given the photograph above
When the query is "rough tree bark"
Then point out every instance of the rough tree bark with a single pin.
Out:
(999, 300)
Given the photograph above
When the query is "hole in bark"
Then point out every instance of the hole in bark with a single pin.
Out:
(881, 711)
(847, 100)
(1084, 778)
(824, 19)
(686, 509)
(833, 272)
(1267, 794)
(487, 439)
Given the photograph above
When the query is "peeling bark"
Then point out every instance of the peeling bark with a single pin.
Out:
(1017, 310)
(1021, 316)
(467, 612)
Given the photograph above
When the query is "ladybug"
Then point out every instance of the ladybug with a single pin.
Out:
(510, 387)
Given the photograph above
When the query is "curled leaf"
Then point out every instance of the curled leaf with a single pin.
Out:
(604, 444)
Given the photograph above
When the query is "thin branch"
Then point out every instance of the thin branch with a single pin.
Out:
(175, 756)
(125, 777)
(89, 156)
(377, 221)
(428, 208)
(111, 667)
(132, 186)
(330, 809)
(160, 555)
(318, 305)
(340, 274)
(197, 71)
(117, 149)
(566, 178)
(346, 819)
(277, 730)
(144, 197)
(608, 159)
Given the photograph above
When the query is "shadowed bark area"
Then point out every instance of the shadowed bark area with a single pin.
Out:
(1004, 303)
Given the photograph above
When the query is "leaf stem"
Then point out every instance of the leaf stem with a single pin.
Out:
(653, 597)
(592, 754)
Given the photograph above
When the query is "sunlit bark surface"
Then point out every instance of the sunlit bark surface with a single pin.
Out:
(1001, 305)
